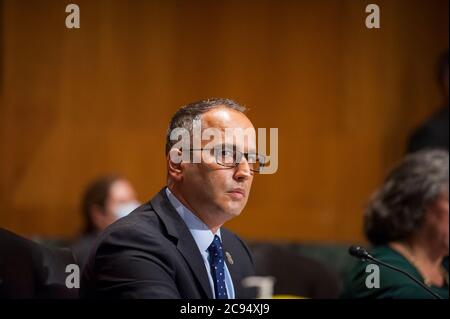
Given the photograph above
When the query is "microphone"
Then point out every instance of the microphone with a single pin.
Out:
(361, 253)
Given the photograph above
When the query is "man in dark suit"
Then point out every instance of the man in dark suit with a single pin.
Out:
(434, 132)
(174, 246)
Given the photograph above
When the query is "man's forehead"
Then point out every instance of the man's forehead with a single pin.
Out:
(223, 118)
(233, 127)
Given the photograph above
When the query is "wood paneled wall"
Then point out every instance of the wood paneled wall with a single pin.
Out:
(78, 103)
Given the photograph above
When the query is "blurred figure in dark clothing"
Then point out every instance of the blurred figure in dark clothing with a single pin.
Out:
(434, 132)
(105, 200)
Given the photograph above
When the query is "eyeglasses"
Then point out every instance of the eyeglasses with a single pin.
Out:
(231, 157)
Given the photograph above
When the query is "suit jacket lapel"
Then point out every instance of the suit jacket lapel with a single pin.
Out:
(185, 242)
(234, 273)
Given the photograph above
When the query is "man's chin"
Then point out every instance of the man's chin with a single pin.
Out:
(234, 211)
(231, 209)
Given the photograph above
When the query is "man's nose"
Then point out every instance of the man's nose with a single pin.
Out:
(243, 171)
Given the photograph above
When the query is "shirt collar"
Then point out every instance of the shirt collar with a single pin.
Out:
(203, 236)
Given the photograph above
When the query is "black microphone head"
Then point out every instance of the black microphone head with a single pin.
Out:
(358, 252)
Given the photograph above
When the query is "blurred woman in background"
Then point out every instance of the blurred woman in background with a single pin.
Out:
(105, 200)
(407, 222)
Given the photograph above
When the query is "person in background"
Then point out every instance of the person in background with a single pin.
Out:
(407, 222)
(434, 133)
(105, 200)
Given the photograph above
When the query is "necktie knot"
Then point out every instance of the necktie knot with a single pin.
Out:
(215, 249)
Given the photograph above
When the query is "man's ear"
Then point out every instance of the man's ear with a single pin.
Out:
(174, 164)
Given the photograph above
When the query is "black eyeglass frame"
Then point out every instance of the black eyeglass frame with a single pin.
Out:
(237, 158)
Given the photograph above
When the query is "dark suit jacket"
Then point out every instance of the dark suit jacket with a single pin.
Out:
(32, 270)
(434, 133)
(152, 254)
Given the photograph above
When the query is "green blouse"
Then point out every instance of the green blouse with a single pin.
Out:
(392, 284)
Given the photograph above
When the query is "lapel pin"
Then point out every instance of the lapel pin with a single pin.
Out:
(229, 258)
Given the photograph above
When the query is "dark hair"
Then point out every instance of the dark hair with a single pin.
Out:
(96, 193)
(396, 211)
(184, 117)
